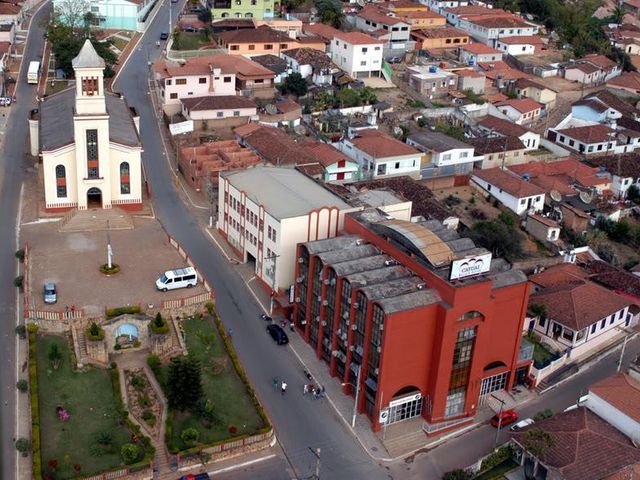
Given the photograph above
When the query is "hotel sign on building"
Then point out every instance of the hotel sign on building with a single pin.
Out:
(470, 266)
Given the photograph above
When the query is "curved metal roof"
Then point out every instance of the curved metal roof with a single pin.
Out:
(434, 250)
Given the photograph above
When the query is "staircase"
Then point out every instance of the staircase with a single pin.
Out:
(96, 220)
(405, 444)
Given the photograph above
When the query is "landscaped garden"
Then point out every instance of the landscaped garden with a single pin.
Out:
(191, 41)
(82, 426)
(208, 399)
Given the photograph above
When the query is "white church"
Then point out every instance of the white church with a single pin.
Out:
(89, 142)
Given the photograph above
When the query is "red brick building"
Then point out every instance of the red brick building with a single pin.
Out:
(419, 320)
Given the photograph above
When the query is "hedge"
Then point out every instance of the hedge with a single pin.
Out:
(35, 406)
(114, 312)
(94, 338)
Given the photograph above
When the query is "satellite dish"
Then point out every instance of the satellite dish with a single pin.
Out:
(271, 109)
(586, 197)
(397, 131)
(555, 195)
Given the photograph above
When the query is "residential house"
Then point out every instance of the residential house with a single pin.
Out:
(501, 74)
(544, 229)
(518, 195)
(444, 156)
(322, 31)
(475, 53)
(495, 126)
(520, 45)
(336, 166)
(520, 110)
(624, 170)
(373, 18)
(471, 80)
(489, 29)
(266, 211)
(210, 76)
(380, 155)
(311, 64)
(590, 139)
(8, 33)
(499, 151)
(592, 70)
(290, 26)
(5, 55)
(272, 145)
(282, 113)
(274, 63)
(628, 81)
(115, 14)
(219, 110)
(358, 54)
(439, 6)
(626, 37)
(421, 19)
(11, 13)
(441, 38)
(526, 88)
(259, 9)
(201, 165)
(264, 40)
(616, 279)
(580, 315)
(431, 81)
(583, 445)
(456, 14)
(615, 399)
(632, 7)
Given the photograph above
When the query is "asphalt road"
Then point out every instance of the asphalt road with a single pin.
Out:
(299, 424)
(11, 174)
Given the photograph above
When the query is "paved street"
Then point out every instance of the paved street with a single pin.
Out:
(12, 167)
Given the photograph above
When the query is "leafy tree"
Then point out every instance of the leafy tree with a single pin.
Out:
(71, 12)
(190, 436)
(618, 13)
(22, 385)
(55, 356)
(205, 16)
(538, 310)
(23, 445)
(290, 5)
(184, 383)
(501, 239)
(633, 194)
(348, 97)
(295, 85)
(130, 453)
(458, 474)
(537, 442)
(368, 96)
(330, 12)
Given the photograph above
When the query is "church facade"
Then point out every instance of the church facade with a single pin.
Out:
(89, 143)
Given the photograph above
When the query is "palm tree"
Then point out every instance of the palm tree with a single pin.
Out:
(536, 441)
(618, 14)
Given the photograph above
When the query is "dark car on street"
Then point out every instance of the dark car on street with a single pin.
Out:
(278, 334)
(164, 36)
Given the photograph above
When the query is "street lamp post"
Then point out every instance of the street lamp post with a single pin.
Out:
(495, 443)
(624, 346)
(355, 403)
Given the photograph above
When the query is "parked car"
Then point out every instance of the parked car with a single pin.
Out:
(5, 101)
(195, 476)
(50, 293)
(521, 424)
(508, 417)
(189, 29)
(164, 36)
(395, 60)
(278, 334)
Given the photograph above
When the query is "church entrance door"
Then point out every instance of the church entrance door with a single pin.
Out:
(94, 198)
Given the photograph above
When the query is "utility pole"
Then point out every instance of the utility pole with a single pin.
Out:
(495, 443)
(316, 453)
(355, 403)
(624, 346)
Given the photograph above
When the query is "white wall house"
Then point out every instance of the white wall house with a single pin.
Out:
(264, 212)
(442, 149)
(358, 54)
(488, 30)
(596, 139)
(380, 155)
(89, 142)
(621, 185)
(520, 110)
(439, 6)
(518, 45)
(218, 107)
(494, 126)
(311, 64)
(517, 195)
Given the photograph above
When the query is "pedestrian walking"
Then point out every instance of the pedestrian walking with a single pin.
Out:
(283, 387)
(230, 333)
(306, 389)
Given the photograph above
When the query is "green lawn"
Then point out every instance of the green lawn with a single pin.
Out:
(89, 399)
(119, 43)
(191, 41)
(58, 86)
(497, 472)
(221, 385)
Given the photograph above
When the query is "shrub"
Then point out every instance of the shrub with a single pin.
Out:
(210, 307)
(130, 453)
(21, 331)
(543, 414)
(159, 325)
(138, 382)
(20, 255)
(458, 474)
(23, 445)
(104, 438)
(18, 282)
(113, 365)
(154, 363)
(149, 417)
(22, 385)
(35, 407)
(496, 458)
(190, 436)
(95, 333)
(130, 309)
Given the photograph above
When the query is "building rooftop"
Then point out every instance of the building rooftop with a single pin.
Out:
(88, 57)
(522, 40)
(261, 34)
(322, 30)
(561, 175)
(380, 145)
(480, 49)
(503, 127)
(627, 165)
(436, 141)
(274, 63)
(622, 392)
(56, 120)
(615, 278)
(585, 446)
(487, 145)
(323, 153)
(310, 56)
(375, 14)
(243, 67)
(284, 192)
(357, 38)
(441, 32)
(501, 22)
(218, 102)
(522, 105)
(508, 182)
(589, 134)
(273, 145)
(629, 80)
(528, 83)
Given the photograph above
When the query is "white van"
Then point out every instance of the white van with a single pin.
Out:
(179, 278)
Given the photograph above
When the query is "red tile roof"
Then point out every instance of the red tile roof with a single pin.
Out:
(375, 14)
(590, 134)
(560, 175)
(601, 61)
(508, 182)
(380, 145)
(469, 73)
(522, 40)
(503, 127)
(486, 145)
(441, 32)
(622, 392)
(327, 32)
(559, 275)
(218, 102)
(629, 80)
(323, 153)
(579, 304)
(272, 144)
(523, 105)
(241, 66)
(585, 446)
(357, 38)
(479, 49)
(501, 22)
(262, 34)
(474, 10)
(9, 9)
(615, 278)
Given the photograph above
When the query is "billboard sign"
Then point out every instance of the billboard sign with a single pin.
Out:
(470, 266)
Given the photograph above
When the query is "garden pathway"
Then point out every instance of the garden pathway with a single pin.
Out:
(133, 361)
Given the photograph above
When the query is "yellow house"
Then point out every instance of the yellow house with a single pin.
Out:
(415, 14)
(526, 88)
(439, 38)
(264, 40)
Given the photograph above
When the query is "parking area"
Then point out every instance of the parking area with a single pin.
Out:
(72, 259)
